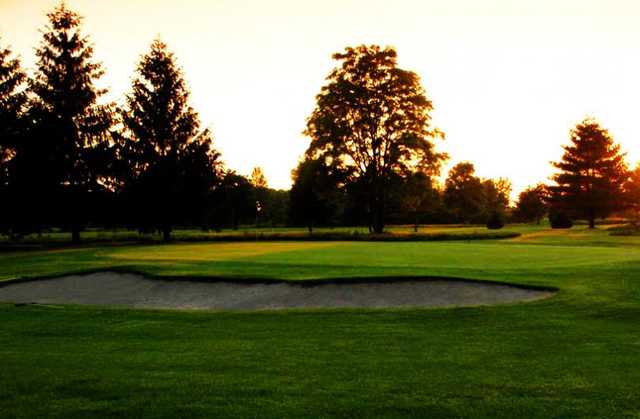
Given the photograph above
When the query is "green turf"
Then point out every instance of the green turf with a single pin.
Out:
(574, 355)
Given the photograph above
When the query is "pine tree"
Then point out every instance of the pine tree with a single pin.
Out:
(69, 115)
(12, 107)
(591, 174)
(162, 141)
(12, 128)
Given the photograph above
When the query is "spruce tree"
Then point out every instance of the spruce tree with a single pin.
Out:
(12, 107)
(591, 174)
(162, 141)
(73, 127)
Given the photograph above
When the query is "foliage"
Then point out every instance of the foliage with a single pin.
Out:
(559, 219)
(67, 150)
(464, 193)
(591, 174)
(12, 107)
(315, 194)
(495, 220)
(531, 205)
(372, 120)
(258, 179)
(172, 165)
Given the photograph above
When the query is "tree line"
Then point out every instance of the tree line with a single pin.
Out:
(69, 158)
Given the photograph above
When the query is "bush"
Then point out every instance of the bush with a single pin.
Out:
(559, 219)
(495, 221)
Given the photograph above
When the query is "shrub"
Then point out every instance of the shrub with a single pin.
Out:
(559, 219)
(495, 221)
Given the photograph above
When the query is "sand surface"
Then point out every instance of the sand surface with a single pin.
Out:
(132, 290)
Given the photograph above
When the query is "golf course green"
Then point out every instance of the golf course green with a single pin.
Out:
(575, 354)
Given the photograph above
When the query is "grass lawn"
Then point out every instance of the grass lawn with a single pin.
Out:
(576, 354)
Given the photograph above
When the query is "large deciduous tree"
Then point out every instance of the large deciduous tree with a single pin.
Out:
(70, 142)
(591, 174)
(173, 165)
(372, 118)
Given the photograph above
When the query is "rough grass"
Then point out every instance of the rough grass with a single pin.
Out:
(573, 355)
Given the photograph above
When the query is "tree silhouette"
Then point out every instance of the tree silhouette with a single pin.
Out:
(314, 193)
(464, 194)
(12, 108)
(372, 118)
(258, 178)
(591, 173)
(171, 160)
(531, 205)
(67, 112)
(236, 199)
(419, 196)
(632, 197)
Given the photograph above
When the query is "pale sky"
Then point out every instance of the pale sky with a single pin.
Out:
(508, 78)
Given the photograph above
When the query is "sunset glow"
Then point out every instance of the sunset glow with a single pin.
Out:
(508, 79)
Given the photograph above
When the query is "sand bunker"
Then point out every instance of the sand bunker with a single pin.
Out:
(132, 290)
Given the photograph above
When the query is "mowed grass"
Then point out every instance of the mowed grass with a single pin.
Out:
(574, 355)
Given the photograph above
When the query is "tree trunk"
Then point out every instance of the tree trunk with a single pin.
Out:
(592, 219)
(166, 233)
(378, 208)
(75, 234)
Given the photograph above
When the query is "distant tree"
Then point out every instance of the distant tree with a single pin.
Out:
(76, 128)
(314, 194)
(496, 194)
(559, 218)
(632, 197)
(591, 174)
(531, 205)
(171, 159)
(12, 107)
(234, 198)
(464, 194)
(258, 178)
(12, 126)
(372, 120)
(495, 219)
(419, 196)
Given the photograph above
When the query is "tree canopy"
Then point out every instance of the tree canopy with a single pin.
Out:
(69, 138)
(591, 173)
(170, 158)
(373, 120)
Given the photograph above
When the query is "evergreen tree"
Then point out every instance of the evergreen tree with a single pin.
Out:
(162, 140)
(71, 140)
(12, 107)
(591, 174)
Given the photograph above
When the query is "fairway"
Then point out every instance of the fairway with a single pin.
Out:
(574, 354)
